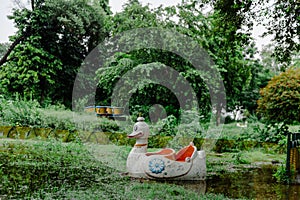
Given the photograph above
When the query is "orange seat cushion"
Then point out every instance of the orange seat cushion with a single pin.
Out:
(185, 153)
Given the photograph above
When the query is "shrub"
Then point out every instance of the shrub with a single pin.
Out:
(280, 99)
(20, 112)
(273, 133)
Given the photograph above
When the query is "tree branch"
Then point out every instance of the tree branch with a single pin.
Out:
(11, 48)
(32, 5)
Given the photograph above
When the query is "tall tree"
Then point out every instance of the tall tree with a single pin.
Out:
(53, 38)
(221, 33)
(31, 71)
(228, 47)
(284, 25)
(133, 16)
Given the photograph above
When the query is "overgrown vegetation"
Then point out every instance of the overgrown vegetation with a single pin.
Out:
(283, 176)
(235, 144)
(29, 113)
(51, 169)
(31, 166)
(55, 170)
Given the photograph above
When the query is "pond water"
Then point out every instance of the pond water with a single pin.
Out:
(252, 184)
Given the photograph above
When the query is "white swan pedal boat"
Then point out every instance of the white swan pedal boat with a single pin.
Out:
(186, 164)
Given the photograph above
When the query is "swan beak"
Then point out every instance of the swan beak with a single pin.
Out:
(135, 135)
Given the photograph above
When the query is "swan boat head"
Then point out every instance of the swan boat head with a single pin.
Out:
(141, 133)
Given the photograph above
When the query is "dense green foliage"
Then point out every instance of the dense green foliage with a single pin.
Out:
(39, 66)
(53, 39)
(65, 161)
(227, 47)
(284, 24)
(32, 72)
(280, 98)
(233, 49)
(20, 112)
(26, 120)
(86, 127)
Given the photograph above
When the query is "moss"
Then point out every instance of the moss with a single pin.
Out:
(5, 130)
(22, 132)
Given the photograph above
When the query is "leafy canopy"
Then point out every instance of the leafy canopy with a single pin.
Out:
(52, 40)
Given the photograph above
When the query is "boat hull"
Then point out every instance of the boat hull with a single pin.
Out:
(139, 165)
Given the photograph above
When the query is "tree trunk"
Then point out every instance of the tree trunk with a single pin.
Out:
(10, 49)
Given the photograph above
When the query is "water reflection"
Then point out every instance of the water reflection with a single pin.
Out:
(252, 184)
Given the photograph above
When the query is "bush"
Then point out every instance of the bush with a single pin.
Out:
(272, 133)
(280, 99)
(20, 113)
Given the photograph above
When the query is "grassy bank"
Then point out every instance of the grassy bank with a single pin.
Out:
(55, 170)
(32, 169)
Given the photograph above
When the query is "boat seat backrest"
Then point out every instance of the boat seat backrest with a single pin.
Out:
(186, 152)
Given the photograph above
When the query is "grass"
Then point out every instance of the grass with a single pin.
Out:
(243, 160)
(27, 166)
(259, 156)
(33, 169)
(232, 131)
